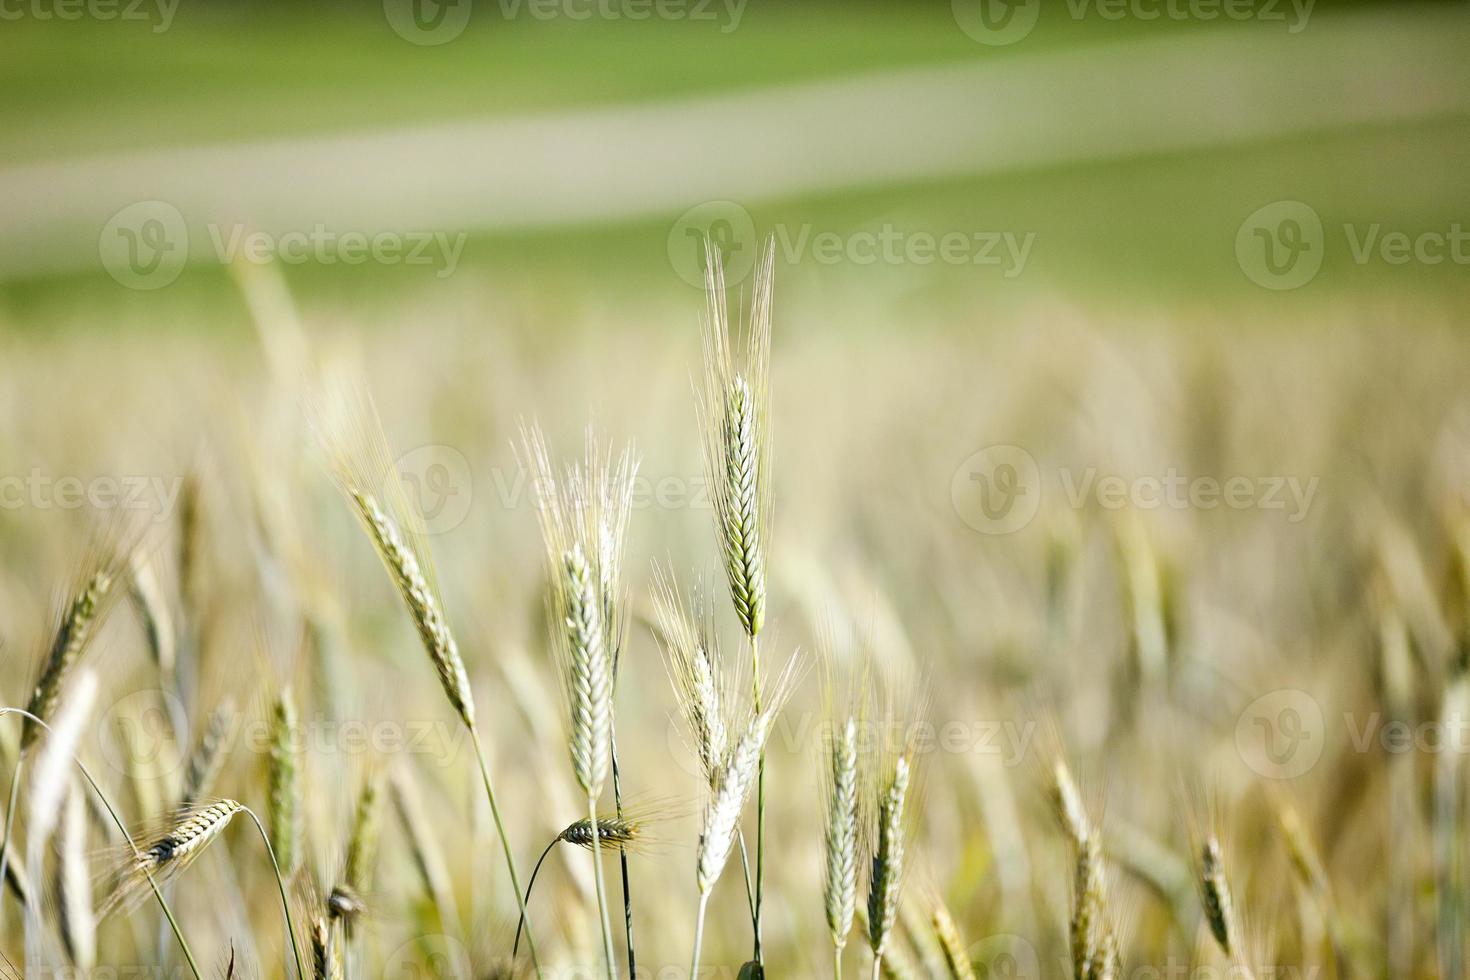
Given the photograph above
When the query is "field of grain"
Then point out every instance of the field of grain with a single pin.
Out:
(1011, 570)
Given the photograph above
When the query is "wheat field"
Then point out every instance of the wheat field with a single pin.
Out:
(668, 490)
(1191, 736)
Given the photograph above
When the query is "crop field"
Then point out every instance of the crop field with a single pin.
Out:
(883, 490)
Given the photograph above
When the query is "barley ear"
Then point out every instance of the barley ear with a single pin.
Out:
(842, 832)
(589, 681)
(952, 944)
(736, 420)
(885, 884)
(79, 622)
(284, 783)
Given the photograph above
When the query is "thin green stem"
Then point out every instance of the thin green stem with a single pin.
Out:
(281, 885)
(617, 782)
(877, 965)
(607, 943)
(836, 963)
(698, 936)
(516, 946)
(510, 861)
(760, 808)
(162, 903)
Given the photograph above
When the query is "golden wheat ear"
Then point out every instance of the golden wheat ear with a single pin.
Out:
(164, 851)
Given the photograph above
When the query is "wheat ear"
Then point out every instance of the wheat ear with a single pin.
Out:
(729, 791)
(284, 784)
(952, 944)
(326, 954)
(886, 881)
(82, 617)
(735, 418)
(207, 758)
(692, 660)
(841, 836)
(352, 435)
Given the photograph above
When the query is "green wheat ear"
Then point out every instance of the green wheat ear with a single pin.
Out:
(735, 418)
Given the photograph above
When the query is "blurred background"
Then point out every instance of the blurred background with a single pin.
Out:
(1036, 265)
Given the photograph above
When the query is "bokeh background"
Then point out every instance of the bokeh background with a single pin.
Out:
(1020, 248)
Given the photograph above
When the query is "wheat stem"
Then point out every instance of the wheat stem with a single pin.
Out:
(607, 943)
(281, 887)
(760, 808)
(698, 934)
(510, 861)
(617, 782)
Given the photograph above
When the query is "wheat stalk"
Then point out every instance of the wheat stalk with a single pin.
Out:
(362, 851)
(421, 598)
(735, 419)
(77, 626)
(284, 784)
(952, 944)
(326, 954)
(352, 435)
(169, 853)
(885, 883)
(841, 836)
(158, 625)
(692, 661)
(207, 759)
